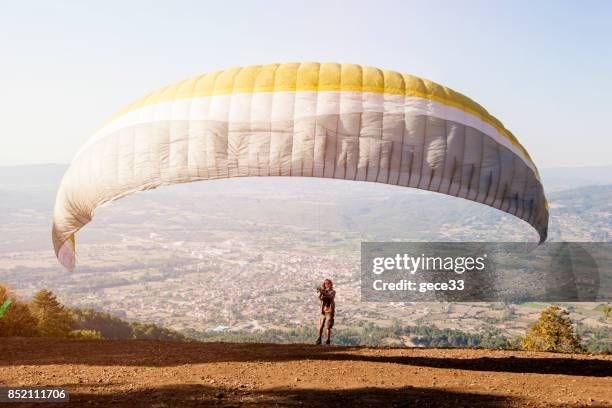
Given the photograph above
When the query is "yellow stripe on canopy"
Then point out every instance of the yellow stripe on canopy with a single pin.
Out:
(313, 76)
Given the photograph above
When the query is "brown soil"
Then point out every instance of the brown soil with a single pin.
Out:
(158, 374)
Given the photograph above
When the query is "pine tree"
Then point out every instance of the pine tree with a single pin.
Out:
(552, 332)
(53, 320)
(17, 320)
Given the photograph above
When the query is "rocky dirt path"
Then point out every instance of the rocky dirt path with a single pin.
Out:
(159, 374)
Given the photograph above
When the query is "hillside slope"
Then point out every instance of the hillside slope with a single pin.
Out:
(163, 374)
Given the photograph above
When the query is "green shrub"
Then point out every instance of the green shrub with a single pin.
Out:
(85, 334)
(552, 332)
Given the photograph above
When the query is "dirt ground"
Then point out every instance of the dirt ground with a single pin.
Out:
(160, 374)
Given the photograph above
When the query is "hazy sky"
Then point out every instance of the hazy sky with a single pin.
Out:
(543, 68)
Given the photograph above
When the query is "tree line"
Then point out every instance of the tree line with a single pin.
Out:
(45, 316)
(366, 334)
(553, 332)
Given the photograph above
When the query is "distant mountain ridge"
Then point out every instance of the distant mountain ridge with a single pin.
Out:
(563, 178)
(44, 177)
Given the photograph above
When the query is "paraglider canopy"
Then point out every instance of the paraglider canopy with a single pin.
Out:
(309, 119)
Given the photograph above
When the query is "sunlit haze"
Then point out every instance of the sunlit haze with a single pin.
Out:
(542, 68)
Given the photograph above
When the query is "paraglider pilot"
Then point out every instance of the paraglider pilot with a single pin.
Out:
(328, 309)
